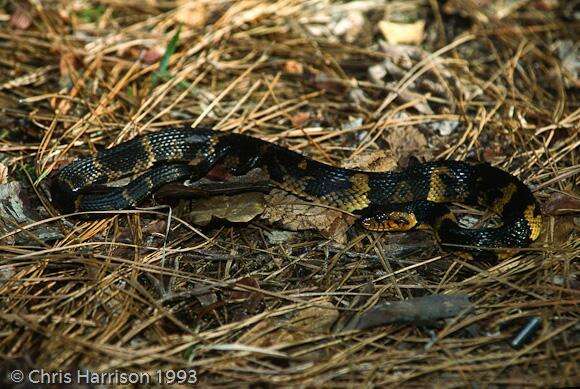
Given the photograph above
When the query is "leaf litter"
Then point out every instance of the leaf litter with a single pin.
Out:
(239, 301)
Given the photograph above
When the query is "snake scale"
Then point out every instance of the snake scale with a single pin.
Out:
(385, 201)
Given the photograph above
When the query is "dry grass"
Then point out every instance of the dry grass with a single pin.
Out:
(132, 292)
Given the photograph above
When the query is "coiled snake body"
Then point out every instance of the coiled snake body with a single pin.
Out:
(386, 201)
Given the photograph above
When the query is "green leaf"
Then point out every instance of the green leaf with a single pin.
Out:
(164, 64)
(91, 15)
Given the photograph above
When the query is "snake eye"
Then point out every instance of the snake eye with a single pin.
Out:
(402, 221)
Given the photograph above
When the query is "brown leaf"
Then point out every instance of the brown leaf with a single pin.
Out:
(294, 214)
(17, 209)
(405, 141)
(251, 300)
(300, 118)
(560, 222)
(293, 67)
(20, 19)
(239, 208)
(560, 229)
(152, 55)
(158, 227)
(375, 161)
(476, 9)
(560, 203)
(245, 294)
(418, 310)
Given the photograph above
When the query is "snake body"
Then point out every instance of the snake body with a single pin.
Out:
(385, 201)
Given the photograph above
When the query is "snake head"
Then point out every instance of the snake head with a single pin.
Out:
(388, 220)
(63, 197)
(398, 217)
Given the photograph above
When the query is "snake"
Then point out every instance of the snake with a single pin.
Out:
(392, 201)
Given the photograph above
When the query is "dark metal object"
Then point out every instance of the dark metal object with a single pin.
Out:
(527, 332)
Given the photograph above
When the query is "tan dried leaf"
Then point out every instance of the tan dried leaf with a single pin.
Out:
(193, 14)
(396, 33)
(239, 208)
(375, 161)
(295, 214)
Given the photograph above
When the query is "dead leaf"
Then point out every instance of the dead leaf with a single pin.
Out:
(294, 328)
(279, 236)
(300, 118)
(418, 310)
(20, 19)
(16, 209)
(152, 228)
(239, 208)
(560, 221)
(375, 161)
(406, 141)
(570, 280)
(294, 214)
(193, 14)
(395, 33)
(560, 203)
(293, 67)
(560, 229)
(245, 294)
(6, 273)
(249, 301)
(207, 298)
(152, 54)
